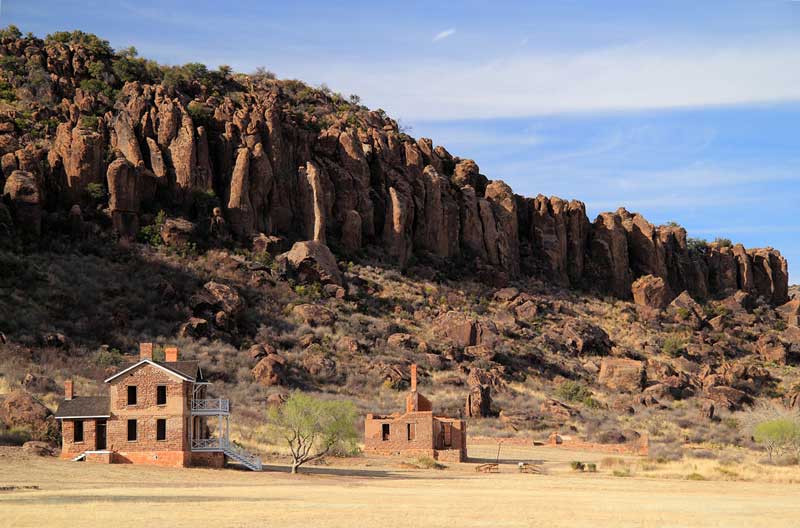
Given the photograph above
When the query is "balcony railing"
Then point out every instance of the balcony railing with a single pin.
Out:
(217, 405)
(210, 444)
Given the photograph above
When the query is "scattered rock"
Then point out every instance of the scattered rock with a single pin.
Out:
(622, 374)
(314, 315)
(38, 448)
(584, 338)
(177, 232)
(270, 371)
(20, 409)
(651, 292)
(311, 261)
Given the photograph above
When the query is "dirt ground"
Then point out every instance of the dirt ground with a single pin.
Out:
(379, 492)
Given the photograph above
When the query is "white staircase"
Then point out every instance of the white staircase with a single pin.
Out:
(245, 458)
(231, 450)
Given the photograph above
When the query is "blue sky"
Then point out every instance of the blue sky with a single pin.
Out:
(684, 111)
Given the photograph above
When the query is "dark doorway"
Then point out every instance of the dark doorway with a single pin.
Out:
(100, 435)
(385, 432)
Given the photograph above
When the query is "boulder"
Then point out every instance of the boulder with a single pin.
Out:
(269, 244)
(38, 448)
(464, 330)
(479, 402)
(622, 374)
(256, 352)
(728, 397)
(557, 410)
(270, 371)
(790, 312)
(312, 261)
(584, 338)
(318, 364)
(225, 297)
(195, 327)
(685, 310)
(25, 199)
(314, 315)
(400, 340)
(651, 292)
(771, 348)
(177, 232)
(20, 409)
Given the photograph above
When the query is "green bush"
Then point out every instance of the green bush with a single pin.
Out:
(10, 31)
(577, 392)
(108, 357)
(591, 468)
(698, 245)
(673, 346)
(622, 472)
(96, 191)
(151, 234)
(695, 476)
(577, 465)
(723, 242)
(428, 463)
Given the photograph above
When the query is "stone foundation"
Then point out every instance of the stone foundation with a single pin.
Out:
(154, 458)
(209, 460)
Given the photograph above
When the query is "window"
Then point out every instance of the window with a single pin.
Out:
(77, 431)
(131, 430)
(161, 429)
(385, 432)
(161, 395)
(411, 431)
(131, 394)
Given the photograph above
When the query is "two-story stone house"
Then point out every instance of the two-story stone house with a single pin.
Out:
(156, 412)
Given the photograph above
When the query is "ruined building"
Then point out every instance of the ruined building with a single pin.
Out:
(416, 432)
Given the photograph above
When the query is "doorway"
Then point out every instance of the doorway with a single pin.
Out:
(100, 435)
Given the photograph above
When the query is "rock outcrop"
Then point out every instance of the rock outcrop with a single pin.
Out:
(341, 175)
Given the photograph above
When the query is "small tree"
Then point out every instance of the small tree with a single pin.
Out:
(776, 428)
(313, 427)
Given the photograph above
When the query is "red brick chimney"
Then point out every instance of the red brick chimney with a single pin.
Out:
(146, 351)
(171, 354)
(69, 392)
(414, 377)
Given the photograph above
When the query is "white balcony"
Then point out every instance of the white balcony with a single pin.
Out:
(210, 407)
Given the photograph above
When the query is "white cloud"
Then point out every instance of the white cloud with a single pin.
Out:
(444, 34)
(636, 77)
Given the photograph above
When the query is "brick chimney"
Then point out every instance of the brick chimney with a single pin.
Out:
(146, 351)
(69, 392)
(414, 377)
(171, 354)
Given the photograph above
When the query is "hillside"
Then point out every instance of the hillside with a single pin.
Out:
(176, 204)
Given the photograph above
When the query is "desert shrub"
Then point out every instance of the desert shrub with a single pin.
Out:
(89, 121)
(108, 357)
(577, 392)
(151, 234)
(723, 242)
(591, 467)
(697, 245)
(577, 465)
(15, 436)
(200, 113)
(702, 454)
(94, 44)
(673, 345)
(428, 463)
(96, 191)
(626, 472)
(10, 31)
(695, 476)
(665, 452)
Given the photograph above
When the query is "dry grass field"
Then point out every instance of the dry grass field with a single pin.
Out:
(380, 492)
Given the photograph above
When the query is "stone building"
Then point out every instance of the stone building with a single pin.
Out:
(417, 432)
(156, 412)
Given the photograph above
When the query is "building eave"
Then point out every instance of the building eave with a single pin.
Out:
(149, 362)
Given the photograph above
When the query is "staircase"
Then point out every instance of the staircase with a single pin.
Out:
(245, 458)
(231, 450)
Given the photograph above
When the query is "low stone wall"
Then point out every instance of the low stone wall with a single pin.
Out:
(640, 447)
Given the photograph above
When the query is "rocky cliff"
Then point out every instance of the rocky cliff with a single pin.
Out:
(78, 121)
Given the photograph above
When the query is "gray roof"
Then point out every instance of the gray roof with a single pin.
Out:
(84, 406)
(187, 369)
